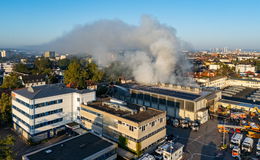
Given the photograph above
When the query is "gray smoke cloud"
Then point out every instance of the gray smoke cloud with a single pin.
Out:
(150, 49)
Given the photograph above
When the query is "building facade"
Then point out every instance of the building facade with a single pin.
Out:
(7, 67)
(177, 101)
(243, 68)
(134, 126)
(3, 53)
(33, 80)
(41, 112)
(223, 82)
(49, 54)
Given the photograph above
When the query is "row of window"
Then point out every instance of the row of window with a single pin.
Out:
(38, 115)
(39, 104)
(48, 123)
(22, 121)
(151, 134)
(21, 111)
(132, 128)
(40, 124)
(143, 138)
(24, 103)
(47, 113)
(48, 103)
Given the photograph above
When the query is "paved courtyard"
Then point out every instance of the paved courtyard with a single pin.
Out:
(204, 144)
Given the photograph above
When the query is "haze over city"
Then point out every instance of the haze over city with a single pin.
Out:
(203, 24)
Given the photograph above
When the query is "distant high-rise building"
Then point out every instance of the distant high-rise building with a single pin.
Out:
(3, 53)
(49, 54)
(225, 49)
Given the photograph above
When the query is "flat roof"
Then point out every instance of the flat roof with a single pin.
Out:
(76, 148)
(143, 115)
(47, 91)
(240, 96)
(251, 80)
(239, 102)
(164, 91)
(137, 115)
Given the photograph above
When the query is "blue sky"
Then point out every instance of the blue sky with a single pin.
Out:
(203, 23)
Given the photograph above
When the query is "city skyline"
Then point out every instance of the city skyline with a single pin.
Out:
(203, 24)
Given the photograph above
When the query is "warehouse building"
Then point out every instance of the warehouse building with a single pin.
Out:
(240, 97)
(223, 82)
(41, 112)
(83, 147)
(133, 126)
(177, 101)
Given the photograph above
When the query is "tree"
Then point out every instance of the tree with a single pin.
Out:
(63, 64)
(6, 148)
(122, 141)
(5, 108)
(42, 65)
(75, 75)
(11, 82)
(138, 148)
(93, 72)
(117, 70)
(22, 68)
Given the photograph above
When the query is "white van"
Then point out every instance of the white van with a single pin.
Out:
(247, 144)
(236, 140)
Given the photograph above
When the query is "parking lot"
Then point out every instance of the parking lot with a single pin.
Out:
(201, 145)
(204, 144)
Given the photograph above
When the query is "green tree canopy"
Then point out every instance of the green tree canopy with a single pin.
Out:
(75, 75)
(11, 82)
(42, 65)
(6, 145)
(93, 72)
(22, 68)
(5, 108)
(63, 64)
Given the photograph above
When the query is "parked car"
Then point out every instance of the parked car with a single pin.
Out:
(175, 122)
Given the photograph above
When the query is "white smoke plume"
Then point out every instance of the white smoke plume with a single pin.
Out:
(151, 49)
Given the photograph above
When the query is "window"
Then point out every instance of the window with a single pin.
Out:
(131, 128)
(153, 123)
(78, 99)
(161, 120)
(143, 128)
(37, 115)
(48, 123)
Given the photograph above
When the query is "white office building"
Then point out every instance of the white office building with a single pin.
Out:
(243, 68)
(41, 112)
(214, 66)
